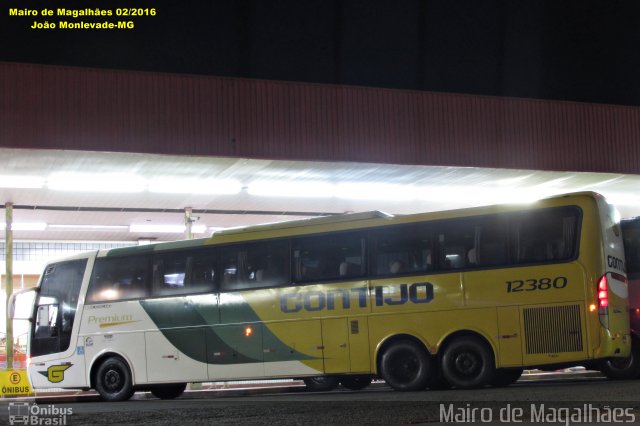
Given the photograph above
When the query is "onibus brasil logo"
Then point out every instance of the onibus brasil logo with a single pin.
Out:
(25, 413)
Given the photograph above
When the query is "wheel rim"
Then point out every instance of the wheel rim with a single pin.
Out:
(467, 364)
(405, 367)
(113, 380)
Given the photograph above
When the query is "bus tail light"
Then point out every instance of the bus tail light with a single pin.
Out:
(603, 301)
(603, 293)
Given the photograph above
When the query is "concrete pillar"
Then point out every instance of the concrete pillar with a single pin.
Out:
(9, 278)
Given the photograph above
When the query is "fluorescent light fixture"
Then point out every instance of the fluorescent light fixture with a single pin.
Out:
(199, 229)
(26, 226)
(513, 180)
(96, 182)
(168, 229)
(621, 198)
(484, 195)
(22, 182)
(302, 189)
(91, 227)
(194, 186)
(376, 191)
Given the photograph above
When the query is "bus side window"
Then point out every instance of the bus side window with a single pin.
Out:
(401, 250)
(328, 257)
(183, 272)
(201, 271)
(169, 273)
(255, 265)
(456, 239)
(230, 269)
(119, 279)
(545, 236)
(453, 256)
(491, 242)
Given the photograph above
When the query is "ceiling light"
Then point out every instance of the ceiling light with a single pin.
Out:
(622, 198)
(483, 195)
(22, 182)
(302, 189)
(199, 229)
(26, 226)
(96, 182)
(194, 186)
(168, 229)
(376, 191)
(91, 227)
(513, 180)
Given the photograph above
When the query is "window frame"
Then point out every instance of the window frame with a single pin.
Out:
(287, 256)
(363, 237)
(373, 245)
(193, 253)
(147, 284)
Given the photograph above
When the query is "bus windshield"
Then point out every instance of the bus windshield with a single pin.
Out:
(56, 307)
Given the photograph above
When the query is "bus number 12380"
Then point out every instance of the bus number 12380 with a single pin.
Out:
(536, 284)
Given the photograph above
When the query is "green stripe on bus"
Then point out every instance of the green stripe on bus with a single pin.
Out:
(183, 324)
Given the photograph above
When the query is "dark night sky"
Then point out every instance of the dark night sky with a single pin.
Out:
(568, 50)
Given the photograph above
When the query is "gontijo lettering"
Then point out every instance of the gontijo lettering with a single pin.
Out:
(384, 295)
(615, 263)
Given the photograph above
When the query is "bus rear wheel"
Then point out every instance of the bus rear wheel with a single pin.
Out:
(113, 380)
(169, 391)
(321, 383)
(467, 363)
(406, 366)
(624, 368)
(356, 382)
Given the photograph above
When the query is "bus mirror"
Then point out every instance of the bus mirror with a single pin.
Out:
(20, 304)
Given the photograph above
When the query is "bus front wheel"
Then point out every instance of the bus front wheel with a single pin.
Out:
(113, 380)
(468, 363)
(321, 383)
(406, 366)
(169, 391)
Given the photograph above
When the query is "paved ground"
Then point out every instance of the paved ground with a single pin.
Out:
(533, 401)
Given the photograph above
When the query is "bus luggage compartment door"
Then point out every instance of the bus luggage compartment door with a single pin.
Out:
(166, 363)
(335, 342)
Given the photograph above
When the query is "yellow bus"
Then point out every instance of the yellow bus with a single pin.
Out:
(464, 299)
(629, 368)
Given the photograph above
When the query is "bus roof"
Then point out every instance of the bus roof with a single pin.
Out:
(319, 224)
(322, 220)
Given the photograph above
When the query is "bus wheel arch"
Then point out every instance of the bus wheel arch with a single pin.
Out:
(624, 368)
(467, 360)
(405, 363)
(112, 377)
